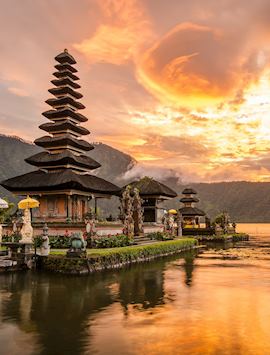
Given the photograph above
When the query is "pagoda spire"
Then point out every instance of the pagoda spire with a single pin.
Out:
(64, 148)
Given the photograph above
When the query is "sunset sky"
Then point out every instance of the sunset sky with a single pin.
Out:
(182, 85)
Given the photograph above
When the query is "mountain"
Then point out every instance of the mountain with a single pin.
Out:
(245, 201)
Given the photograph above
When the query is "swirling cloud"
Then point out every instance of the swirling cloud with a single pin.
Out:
(194, 65)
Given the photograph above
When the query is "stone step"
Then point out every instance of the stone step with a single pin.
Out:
(141, 240)
(7, 263)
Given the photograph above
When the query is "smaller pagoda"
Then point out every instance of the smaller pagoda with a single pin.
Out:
(191, 214)
(153, 193)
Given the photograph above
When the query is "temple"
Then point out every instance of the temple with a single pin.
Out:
(153, 193)
(191, 214)
(63, 182)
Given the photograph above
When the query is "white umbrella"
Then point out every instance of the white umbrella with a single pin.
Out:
(3, 203)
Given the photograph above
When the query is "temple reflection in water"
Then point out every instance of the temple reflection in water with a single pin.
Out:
(57, 310)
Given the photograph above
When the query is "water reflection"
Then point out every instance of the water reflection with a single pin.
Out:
(189, 268)
(176, 305)
(57, 308)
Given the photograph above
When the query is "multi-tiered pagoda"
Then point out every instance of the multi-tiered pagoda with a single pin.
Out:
(63, 183)
(191, 214)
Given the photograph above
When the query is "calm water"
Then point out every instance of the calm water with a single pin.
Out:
(215, 303)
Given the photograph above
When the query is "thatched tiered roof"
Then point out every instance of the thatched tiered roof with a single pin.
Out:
(149, 187)
(189, 200)
(64, 163)
(66, 180)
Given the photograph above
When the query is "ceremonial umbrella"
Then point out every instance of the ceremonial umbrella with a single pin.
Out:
(172, 211)
(3, 203)
(28, 203)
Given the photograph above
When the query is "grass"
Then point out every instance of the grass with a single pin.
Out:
(224, 237)
(149, 249)
(102, 259)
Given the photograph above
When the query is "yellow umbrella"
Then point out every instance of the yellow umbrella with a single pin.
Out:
(28, 203)
(172, 211)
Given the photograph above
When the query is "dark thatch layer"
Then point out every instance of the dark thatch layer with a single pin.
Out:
(65, 81)
(150, 187)
(63, 140)
(63, 74)
(44, 159)
(63, 126)
(189, 191)
(64, 91)
(65, 100)
(66, 67)
(189, 199)
(64, 180)
(191, 211)
(65, 57)
(65, 112)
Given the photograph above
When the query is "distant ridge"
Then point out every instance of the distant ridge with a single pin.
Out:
(245, 201)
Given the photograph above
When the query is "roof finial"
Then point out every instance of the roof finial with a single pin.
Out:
(65, 50)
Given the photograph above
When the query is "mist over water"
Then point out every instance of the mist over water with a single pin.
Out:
(216, 302)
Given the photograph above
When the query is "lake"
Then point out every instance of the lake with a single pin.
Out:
(217, 302)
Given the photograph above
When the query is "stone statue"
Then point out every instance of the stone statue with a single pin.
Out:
(127, 212)
(14, 226)
(90, 226)
(179, 221)
(218, 230)
(168, 221)
(171, 224)
(137, 213)
(27, 229)
(45, 246)
(78, 246)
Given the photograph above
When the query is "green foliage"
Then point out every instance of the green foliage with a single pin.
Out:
(144, 251)
(237, 237)
(220, 219)
(5, 213)
(160, 236)
(12, 238)
(63, 242)
(56, 241)
(119, 240)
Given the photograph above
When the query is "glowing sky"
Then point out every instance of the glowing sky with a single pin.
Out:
(176, 84)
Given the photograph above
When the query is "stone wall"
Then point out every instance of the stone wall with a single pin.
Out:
(101, 229)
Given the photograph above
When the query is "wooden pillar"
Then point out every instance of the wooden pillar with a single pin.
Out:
(69, 206)
(72, 208)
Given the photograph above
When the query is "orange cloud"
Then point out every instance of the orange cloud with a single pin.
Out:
(196, 65)
(118, 38)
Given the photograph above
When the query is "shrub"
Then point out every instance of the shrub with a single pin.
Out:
(56, 241)
(237, 237)
(113, 241)
(63, 242)
(100, 259)
(160, 236)
(12, 238)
